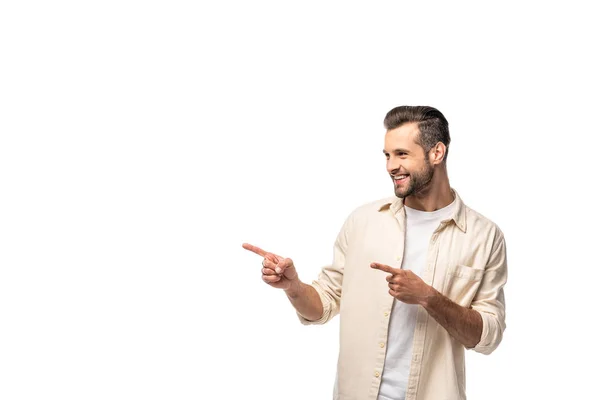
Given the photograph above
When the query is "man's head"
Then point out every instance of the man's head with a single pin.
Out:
(416, 142)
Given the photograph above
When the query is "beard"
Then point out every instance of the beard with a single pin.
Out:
(417, 181)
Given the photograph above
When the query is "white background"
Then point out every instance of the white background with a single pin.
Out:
(143, 142)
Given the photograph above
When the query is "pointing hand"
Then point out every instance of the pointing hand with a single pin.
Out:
(277, 271)
(405, 285)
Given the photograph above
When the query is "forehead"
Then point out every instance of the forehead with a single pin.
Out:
(405, 135)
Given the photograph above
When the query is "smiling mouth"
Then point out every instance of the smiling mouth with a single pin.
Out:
(398, 179)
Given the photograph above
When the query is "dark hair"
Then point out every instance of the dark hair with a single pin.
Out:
(433, 126)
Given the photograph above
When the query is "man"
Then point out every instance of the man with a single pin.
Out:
(416, 278)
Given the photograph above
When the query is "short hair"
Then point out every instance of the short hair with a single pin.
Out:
(433, 126)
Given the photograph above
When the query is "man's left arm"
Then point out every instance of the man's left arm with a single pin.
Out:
(463, 324)
(481, 326)
(478, 327)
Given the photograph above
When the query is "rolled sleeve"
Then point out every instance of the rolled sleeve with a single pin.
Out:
(489, 301)
(329, 282)
(328, 306)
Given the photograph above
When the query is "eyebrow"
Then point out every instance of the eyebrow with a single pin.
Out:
(398, 151)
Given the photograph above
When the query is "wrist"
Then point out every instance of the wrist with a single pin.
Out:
(294, 289)
(430, 298)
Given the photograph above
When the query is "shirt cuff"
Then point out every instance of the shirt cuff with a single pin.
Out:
(489, 334)
(326, 308)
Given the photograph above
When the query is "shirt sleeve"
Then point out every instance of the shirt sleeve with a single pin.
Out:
(489, 300)
(329, 282)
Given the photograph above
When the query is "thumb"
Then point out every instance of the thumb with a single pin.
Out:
(283, 265)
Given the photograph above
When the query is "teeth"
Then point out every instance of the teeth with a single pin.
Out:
(400, 176)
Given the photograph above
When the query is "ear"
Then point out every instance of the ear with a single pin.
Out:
(437, 153)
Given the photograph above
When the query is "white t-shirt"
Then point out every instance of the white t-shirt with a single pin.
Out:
(420, 226)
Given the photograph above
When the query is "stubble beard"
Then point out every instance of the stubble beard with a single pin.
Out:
(418, 181)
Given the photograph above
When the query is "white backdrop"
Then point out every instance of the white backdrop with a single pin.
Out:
(141, 143)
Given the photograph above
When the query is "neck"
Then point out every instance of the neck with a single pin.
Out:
(437, 194)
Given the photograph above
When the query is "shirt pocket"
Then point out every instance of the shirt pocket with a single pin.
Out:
(461, 283)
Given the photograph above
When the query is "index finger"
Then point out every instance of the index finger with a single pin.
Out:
(255, 249)
(384, 268)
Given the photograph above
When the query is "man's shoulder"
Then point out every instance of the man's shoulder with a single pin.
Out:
(372, 207)
(478, 222)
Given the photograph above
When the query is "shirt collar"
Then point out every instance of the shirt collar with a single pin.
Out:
(459, 216)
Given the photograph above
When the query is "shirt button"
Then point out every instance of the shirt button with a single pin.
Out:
(382, 345)
(397, 258)
(376, 374)
(386, 313)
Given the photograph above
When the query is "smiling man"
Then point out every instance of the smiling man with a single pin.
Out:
(416, 278)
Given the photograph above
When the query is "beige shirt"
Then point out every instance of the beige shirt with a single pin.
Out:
(466, 262)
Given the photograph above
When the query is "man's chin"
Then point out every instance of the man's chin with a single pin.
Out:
(400, 194)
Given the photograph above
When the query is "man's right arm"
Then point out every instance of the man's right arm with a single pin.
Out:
(305, 300)
(319, 302)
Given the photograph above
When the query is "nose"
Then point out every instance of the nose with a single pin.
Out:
(393, 166)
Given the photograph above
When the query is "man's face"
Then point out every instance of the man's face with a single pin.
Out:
(407, 162)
